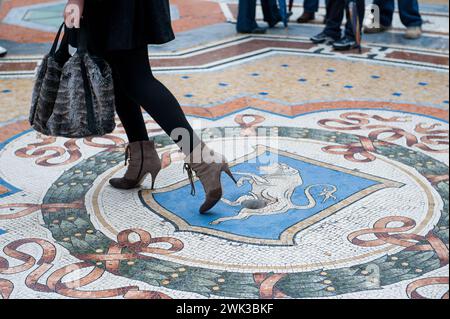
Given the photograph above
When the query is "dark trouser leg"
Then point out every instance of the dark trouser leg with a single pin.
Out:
(271, 11)
(136, 79)
(335, 16)
(311, 6)
(387, 8)
(326, 13)
(246, 16)
(409, 13)
(361, 8)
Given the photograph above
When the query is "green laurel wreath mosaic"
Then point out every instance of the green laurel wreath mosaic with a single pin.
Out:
(405, 265)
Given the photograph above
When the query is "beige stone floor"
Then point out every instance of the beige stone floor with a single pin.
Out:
(16, 102)
(278, 79)
(324, 79)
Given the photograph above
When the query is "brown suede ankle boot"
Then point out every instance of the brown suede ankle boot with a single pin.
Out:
(208, 167)
(143, 160)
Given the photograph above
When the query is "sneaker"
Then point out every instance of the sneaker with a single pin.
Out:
(3, 52)
(413, 33)
(345, 44)
(322, 38)
(306, 17)
(382, 28)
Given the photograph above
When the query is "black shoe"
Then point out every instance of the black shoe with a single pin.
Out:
(3, 52)
(257, 30)
(274, 23)
(345, 44)
(323, 38)
(306, 17)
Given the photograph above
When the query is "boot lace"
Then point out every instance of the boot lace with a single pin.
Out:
(190, 173)
(127, 154)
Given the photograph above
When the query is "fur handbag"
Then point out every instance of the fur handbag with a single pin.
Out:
(73, 96)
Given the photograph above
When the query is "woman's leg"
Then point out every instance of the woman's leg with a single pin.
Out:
(141, 155)
(130, 115)
(135, 78)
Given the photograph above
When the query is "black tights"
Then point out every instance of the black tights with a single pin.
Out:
(136, 86)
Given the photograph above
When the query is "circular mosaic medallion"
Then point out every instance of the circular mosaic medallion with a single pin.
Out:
(335, 213)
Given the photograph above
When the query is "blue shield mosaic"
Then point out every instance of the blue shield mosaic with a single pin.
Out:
(271, 202)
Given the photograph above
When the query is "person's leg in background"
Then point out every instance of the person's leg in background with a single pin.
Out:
(246, 22)
(411, 18)
(271, 12)
(335, 16)
(348, 42)
(326, 12)
(387, 9)
(310, 7)
(409, 15)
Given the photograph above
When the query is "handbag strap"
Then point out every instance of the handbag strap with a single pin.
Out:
(82, 50)
(82, 38)
(56, 41)
(62, 54)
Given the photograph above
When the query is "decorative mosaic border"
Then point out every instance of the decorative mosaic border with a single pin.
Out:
(249, 47)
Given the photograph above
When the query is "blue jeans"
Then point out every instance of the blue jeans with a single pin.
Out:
(409, 12)
(247, 14)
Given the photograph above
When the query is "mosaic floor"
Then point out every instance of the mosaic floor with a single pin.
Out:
(349, 150)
